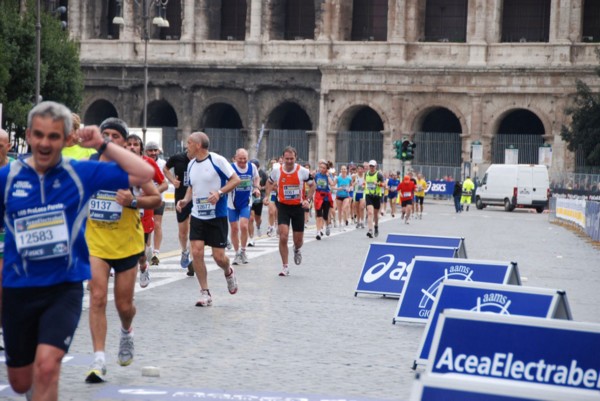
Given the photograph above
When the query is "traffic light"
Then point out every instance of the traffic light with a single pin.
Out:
(410, 150)
(398, 148)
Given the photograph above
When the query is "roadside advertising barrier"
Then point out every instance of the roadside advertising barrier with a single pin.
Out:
(592, 220)
(465, 388)
(492, 298)
(429, 240)
(385, 267)
(543, 353)
(439, 187)
(426, 275)
(572, 210)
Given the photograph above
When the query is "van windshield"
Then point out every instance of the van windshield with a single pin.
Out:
(483, 182)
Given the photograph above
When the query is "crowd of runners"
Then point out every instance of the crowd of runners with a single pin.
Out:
(86, 206)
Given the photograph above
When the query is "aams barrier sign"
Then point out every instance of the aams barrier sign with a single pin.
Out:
(430, 240)
(385, 267)
(493, 298)
(548, 352)
(427, 273)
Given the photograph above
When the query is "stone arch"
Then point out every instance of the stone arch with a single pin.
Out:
(221, 114)
(288, 124)
(98, 111)
(160, 114)
(360, 136)
(437, 135)
(518, 128)
(282, 117)
(418, 114)
(342, 118)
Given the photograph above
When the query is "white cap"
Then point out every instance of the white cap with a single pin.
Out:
(372, 163)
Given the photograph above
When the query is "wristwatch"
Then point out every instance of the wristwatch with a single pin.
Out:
(133, 203)
(220, 193)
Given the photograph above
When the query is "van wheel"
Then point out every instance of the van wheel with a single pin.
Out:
(539, 209)
(479, 204)
(508, 206)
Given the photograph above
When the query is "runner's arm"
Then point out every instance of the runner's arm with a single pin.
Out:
(139, 171)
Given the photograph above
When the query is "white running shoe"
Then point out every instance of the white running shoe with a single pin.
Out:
(97, 372)
(126, 348)
(231, 282)
(244, 257)
(205, 298)
(144, 277)
(285, 271)
(238, 259)
(297, 256)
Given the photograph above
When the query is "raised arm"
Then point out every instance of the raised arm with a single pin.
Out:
(139, 171)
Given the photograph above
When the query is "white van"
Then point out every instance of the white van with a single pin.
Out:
(514, 185)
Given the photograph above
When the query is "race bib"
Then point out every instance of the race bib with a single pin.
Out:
(291, 192)
(42, 236)
(371, 186)
(245, 185)
(204, 207)
(406, 194)
(393, 189)
(104, 207)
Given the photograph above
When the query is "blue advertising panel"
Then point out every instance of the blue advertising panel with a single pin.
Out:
(552, 352)
(429, 240)
(427, 273)
(491, 298)
(439, 187)
(465, 388)
(385, 267)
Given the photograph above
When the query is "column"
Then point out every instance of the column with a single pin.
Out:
(253, 123)
(322, 129)
(397, 30)
(476, 24)
(560, 11)
(188, 22)
(253, 43)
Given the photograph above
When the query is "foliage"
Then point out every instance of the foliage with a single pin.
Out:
(61, 79)
(584, 131)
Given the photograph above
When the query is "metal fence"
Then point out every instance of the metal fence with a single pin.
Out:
(359, 146)
(437, 172)
(575, 182)
(225, 141)
(527, 144)
(438, 149)
(279, 139)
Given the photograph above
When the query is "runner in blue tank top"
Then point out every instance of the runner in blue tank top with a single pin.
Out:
(342, 198)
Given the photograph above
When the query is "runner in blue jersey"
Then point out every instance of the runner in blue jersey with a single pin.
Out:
(342, 198)
(44, 203)
(239, 203)
(323, 199)
(392, 185)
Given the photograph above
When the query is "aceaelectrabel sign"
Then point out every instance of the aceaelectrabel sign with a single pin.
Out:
(493, 298)
(427, 273)
(466, 388)
(430, 240)
(384, 270)
(522, 349)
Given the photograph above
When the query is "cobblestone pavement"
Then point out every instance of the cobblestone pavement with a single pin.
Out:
(306, 336)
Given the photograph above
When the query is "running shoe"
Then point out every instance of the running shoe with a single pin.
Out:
(205, 298)
(228, 246)
(357, 225)
(258, 232)
(154, 261)
(270, 230)
(144, 276)
(318, 237)
(126, 348)
(185, 259)
(244, 257)
(238, 259)
(231, 282)
(327, 230)
(370, 234)
(376, 231)
(190, 269)
(97, 372)
(251, 241)
(297, 256)
(406, 221)
(284, 272)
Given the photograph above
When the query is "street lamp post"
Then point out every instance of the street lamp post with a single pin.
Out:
(158, 21)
